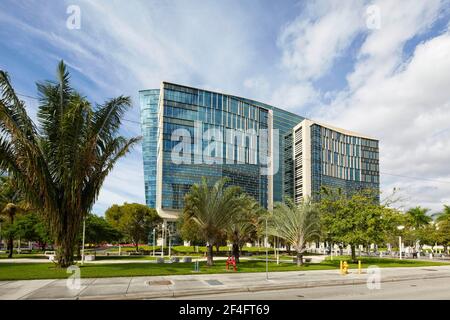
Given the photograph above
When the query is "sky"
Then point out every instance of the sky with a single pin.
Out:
(381, 68)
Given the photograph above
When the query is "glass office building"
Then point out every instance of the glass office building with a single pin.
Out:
(318, 155)
(199, 121)
(190, 133)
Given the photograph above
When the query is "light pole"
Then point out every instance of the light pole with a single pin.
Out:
(400, 241)
(162, 242)
(267, 254)
(154, 241)
(170, 239)
(277, 243)
(84, 236)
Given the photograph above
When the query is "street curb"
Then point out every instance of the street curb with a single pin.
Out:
(268, 287)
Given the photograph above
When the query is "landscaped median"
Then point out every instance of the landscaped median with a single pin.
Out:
(28, 271)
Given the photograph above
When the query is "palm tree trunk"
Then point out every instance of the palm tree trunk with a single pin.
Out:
(10, 246)
(11, 213)
(235, 252)
(65, 253)
(66, 240)
(353, 248)
(299, 258)
(209, 255)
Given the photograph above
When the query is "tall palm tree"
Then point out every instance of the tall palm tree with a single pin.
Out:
(243, 226)
(11, 203)
(296, 224)
(417, 217)
(444, 215)
(60, 166)
(212, 208)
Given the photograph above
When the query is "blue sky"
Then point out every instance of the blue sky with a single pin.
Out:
(322, 59)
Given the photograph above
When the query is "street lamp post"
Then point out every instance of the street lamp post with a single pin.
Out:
(154, 241)
(267, 254)
(400, 242)
(162, 242)
(170, 240)
(84, 236)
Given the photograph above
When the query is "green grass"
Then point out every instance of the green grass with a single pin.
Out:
(26, 271)
(24, 256)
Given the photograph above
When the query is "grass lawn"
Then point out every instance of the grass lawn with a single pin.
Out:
(26, 271)
(24, 256)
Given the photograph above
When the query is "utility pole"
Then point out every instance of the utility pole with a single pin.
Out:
(162, 242)
(267, 254)
(84, 235)
(154, 241)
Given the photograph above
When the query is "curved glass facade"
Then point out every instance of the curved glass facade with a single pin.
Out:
(197, 113)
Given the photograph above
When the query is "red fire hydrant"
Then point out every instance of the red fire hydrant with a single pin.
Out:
(231, 260)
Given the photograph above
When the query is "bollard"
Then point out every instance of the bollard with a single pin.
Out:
(359, 266)
(340, 267)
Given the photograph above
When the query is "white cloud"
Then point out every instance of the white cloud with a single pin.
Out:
(407, 108)
(311, 43)
(294, 97)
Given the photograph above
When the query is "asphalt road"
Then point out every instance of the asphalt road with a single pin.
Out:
(436, 289)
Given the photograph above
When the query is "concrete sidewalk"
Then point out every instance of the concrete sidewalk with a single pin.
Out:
(196, 284)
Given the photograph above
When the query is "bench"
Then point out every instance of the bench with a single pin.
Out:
(187, 259)
(294, 259)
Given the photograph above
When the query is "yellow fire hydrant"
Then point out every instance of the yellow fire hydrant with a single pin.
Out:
(344, 267)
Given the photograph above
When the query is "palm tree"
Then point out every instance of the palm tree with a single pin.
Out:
(11, 203)
(243, 226)
(212, 208)
(417, 217)
(444, 215)
(296, 224)
(60, 166)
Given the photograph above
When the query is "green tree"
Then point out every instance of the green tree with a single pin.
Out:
(98, 231)
(243, 226)
(427, 234)
(443, 215)
(443, 234)
(135, 221)
(353, 219)
(296, 224)
(11, 203)
(189, 230)
(60, 166)
(31, 227)
(212, 208)
(417, 217)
